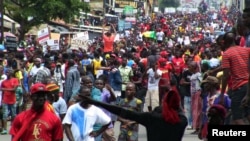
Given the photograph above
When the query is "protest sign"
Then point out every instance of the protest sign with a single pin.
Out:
(53, 44)
(80, 40)
(43, 35)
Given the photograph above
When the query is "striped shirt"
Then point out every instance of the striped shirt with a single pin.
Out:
(236, 59)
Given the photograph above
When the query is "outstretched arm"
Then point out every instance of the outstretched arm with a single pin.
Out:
(141, 118)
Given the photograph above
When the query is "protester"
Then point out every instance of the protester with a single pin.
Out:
(129, 129)
(235, 63)
(81, 118)
(8, 88)
(58, 103)
(72, 82)
(166, 123)
(37, 123)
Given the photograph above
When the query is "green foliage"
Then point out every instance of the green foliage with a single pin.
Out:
(168, 3)
(29, 13)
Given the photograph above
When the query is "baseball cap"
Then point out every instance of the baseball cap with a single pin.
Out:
(162, 60)
(38, 87)
(52, 87)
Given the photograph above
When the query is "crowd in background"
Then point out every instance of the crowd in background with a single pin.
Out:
(187, 54)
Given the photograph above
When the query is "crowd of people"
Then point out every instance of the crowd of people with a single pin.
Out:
(192, 71)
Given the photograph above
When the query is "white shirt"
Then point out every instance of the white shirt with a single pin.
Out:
(82, 121)
(160, 35)
(195, 82)
(60, 107)
(214, 62)
(34, 70)
(3, 77)
(152, 81)
(180, 40)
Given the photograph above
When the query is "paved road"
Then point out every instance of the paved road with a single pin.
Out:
(142, 135)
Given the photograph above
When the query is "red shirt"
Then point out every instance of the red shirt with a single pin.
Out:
(144, 62)
(178, 65)
(165, 74)
(44, 126)
(237, 59)
(9, 97)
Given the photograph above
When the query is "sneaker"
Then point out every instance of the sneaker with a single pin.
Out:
(189, 127)
(4, 132)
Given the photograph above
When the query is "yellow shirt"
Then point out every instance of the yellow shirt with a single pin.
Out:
(96, 65)
(30, 65)
(19, 75)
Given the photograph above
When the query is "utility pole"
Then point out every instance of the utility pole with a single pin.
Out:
(1, 21)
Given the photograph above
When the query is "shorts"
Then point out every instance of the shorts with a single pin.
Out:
(8, 108)
(128, 135)
(152, 98)
(239, 112)
(108, 135)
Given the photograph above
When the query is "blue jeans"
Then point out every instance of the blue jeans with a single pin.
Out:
(188, 110)
(8, 108)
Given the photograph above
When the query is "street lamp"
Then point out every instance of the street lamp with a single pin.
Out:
(1, 21)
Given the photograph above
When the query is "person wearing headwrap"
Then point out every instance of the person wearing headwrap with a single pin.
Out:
(216, 116)
(164, 123)
(164, 83)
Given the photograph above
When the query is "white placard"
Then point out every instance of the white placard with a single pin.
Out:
(43, 35)
(54, 44)
(80, 40)
(156, 9)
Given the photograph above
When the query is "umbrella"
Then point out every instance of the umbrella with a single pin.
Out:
(149, 34)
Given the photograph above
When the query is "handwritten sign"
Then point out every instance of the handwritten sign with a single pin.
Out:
(80, 40)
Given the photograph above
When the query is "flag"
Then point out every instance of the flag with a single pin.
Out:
(149, 34)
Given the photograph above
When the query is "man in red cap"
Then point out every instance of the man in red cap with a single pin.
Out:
(37, 123)
(164, 83)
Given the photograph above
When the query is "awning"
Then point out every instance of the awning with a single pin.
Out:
(8, 34)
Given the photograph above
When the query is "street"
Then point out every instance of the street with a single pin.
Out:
(142, 135)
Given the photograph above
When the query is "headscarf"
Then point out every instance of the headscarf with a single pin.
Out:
(170, 107)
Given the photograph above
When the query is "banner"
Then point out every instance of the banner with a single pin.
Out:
(124, 3)
(124, 25)
(43, 35)
(80, 40)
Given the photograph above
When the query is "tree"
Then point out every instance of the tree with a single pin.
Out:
(29, 13)
(168, 3)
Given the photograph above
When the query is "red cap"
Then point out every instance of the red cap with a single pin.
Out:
(38, 87)
(164, 53)
(162, 60)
